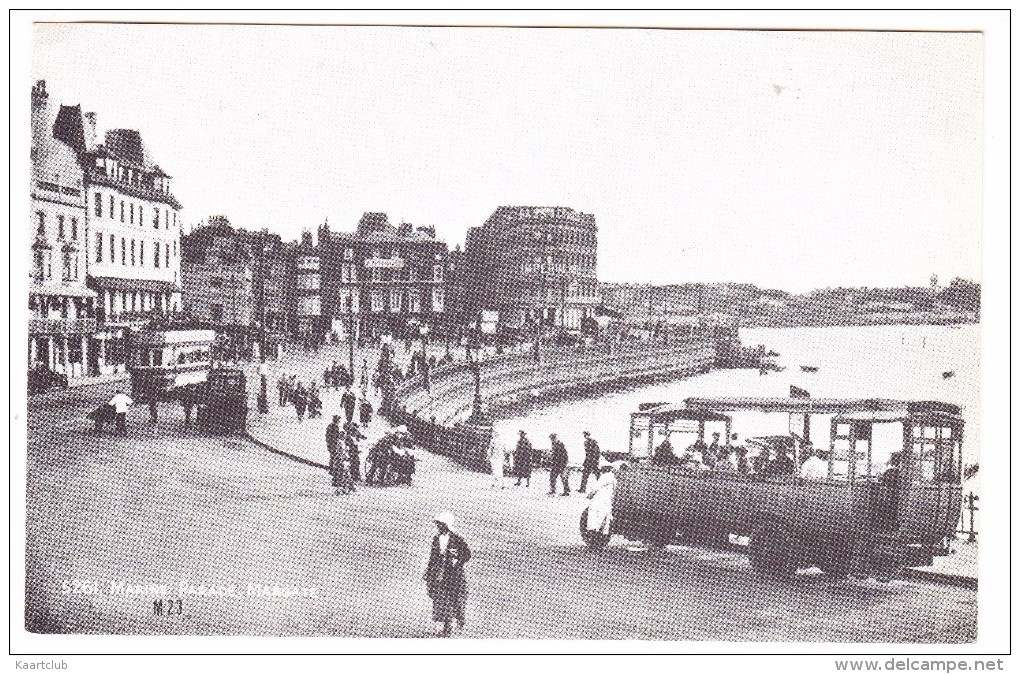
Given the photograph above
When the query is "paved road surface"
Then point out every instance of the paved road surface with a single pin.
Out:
(167, 505)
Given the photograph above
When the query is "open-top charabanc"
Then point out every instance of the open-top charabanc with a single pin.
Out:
(888, 495)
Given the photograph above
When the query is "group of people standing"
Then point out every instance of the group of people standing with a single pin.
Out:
(304, 398)
(390, 460)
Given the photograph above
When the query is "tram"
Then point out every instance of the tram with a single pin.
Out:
(890, 498)
(165, 363)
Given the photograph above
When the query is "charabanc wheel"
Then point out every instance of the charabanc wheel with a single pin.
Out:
(596, 540)
(771, 550)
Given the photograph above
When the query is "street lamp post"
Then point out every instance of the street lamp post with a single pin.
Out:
(350, 335)
(477, 415)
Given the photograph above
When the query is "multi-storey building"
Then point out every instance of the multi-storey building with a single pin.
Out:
(61, 306)
(534, 263)
(217, 272)
(309, 322)
(383, 278)
(133, 242)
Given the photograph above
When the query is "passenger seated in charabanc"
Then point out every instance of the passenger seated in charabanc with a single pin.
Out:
(816, 466)
(779, 464)
(692, 461)
(664, 454)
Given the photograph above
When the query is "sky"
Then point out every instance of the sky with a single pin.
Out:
(792, 160)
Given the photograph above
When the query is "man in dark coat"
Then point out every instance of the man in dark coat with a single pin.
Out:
(348, 401)
(523, 459)
(341, 480)
(558, 466)
(352, 434)
(365, 412)
(592, 459)
(444, 577)
(381, 456)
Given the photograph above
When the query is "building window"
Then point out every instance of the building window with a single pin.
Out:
(155, 257)
(348, 254)
(68, 264)
(413, 301)
(437, 273)
(74, 228)
(437, 300)
(141, 253)
(41, 224)
(175, 250)
(396, 300)
(99, 205)
(155, 219)
(131, 211)
(60, 227)
(122, 211)
(132, 252)
(112, 216)
(141, 218)
(378, 300)
(99, 247)
(168, 257)
(175, 219)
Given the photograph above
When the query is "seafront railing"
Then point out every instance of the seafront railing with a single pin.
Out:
(433, 412)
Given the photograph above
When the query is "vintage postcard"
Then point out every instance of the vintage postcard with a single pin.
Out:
(505, 339)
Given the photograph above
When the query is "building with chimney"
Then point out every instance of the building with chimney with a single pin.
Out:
(383, 279)
(134, 233)
(133, 230)
(61, 307)
(534, 263)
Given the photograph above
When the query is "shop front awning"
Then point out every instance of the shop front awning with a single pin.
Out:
(132, 284)
(61, 291)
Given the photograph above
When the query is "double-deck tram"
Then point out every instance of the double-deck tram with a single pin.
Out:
(164, 364)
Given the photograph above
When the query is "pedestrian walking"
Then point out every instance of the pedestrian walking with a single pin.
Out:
(300, 401)
(348, 401)
(283, 386)
(121, 402)
(592, 459)
(523, 459)
(188, 403)
(314, 402)
(496, 462)
(445, 580)
(558, 466)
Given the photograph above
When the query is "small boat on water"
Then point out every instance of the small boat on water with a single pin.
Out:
(948, 374)
(809, 368)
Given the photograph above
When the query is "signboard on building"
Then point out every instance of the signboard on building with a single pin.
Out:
(490, 319)
(384, 263)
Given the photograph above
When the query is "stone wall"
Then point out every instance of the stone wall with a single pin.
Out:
(434, 415)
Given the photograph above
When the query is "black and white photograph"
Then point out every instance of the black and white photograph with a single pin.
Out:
(509, 334)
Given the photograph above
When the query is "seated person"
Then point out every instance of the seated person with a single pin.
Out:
(816, 467)
(692, 461)
(664, 454)
(727, 460)
(779, 464)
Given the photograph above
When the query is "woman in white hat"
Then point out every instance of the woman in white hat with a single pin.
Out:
(444, 577)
